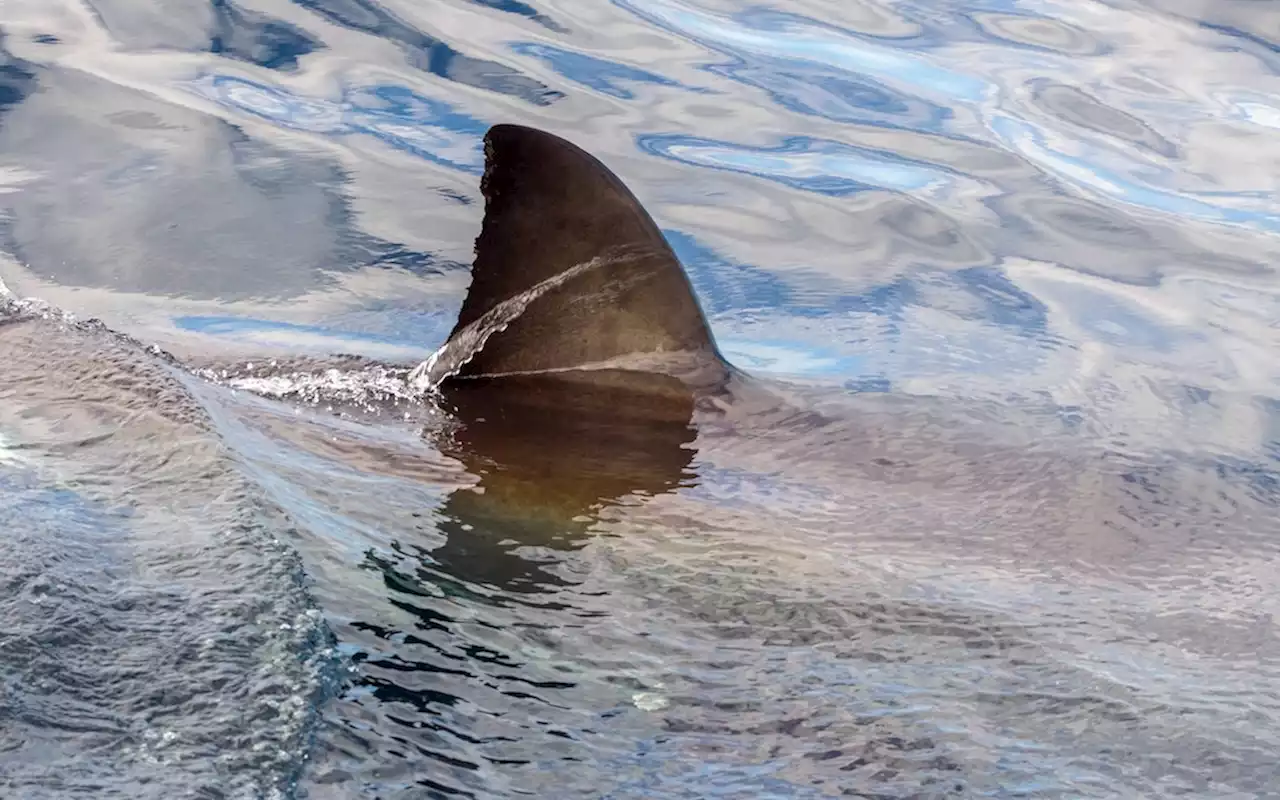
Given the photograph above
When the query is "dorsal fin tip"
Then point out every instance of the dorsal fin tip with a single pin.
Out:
(550, 207)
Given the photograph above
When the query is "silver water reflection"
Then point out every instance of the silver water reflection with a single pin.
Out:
(1045, 231)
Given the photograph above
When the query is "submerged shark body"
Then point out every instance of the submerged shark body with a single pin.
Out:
(581, 370)
(608, 381)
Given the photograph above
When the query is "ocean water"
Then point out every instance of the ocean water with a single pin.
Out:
(1021, 256)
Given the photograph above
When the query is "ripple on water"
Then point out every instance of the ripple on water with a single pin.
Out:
(1036, 31)
(429, 53)
(1078, 108)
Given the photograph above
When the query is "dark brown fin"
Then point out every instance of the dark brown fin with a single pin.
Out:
(552, 434)
(550, 206)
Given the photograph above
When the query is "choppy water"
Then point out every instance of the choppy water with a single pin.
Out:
(1021, 254)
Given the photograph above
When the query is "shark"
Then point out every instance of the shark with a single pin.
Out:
(582, 369)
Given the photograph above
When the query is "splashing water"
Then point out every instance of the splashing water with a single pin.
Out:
(368, 387)
(13, 306)
(376, 385)
(373, 386)
(460, 349)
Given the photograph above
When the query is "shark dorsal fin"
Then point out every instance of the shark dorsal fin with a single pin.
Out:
(607, 286)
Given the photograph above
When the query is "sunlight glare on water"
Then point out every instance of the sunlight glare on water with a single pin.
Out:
(1012, 263)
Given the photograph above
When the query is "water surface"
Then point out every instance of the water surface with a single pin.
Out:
(1022, 254)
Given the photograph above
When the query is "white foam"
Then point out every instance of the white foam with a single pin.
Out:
(10, 455)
